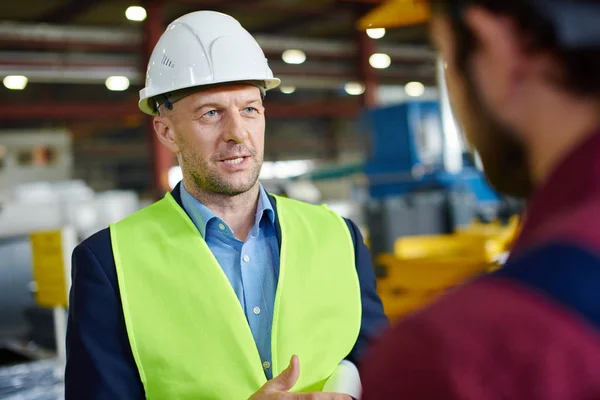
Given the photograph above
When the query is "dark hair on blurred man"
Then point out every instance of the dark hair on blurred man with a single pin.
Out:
(524, 81)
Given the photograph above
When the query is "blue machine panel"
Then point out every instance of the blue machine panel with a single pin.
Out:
(407, 154)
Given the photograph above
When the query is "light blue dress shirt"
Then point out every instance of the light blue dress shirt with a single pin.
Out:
(252, 267)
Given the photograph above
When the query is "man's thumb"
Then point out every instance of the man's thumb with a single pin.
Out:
(288, 378)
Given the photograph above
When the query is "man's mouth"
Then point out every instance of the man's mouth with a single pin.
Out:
(234, 161)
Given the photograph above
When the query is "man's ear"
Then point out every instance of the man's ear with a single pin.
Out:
(163, 127)
(499, 64)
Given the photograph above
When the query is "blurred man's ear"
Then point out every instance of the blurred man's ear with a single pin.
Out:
(497, 64)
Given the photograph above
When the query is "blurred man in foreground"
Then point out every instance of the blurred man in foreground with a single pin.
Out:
(524, 80)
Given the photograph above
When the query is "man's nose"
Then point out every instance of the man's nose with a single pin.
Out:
(235, 129)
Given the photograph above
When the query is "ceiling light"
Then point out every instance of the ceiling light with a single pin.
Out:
(293, 56)
(380, 60)
(376, 33)
(135, 13)
(117, 83)
(414, 89)
(287, 89)
(354, 88)
(15, 82)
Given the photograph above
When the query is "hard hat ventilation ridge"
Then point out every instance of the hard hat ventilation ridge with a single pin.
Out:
(166, 61)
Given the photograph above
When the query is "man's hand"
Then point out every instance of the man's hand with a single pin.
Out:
(278, 388)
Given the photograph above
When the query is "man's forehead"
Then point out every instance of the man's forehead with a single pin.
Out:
(229, 92)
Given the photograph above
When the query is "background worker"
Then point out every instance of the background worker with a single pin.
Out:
(208, 293)
(523, 79)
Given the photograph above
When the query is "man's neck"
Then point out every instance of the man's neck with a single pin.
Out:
(238, 211)
(561, 125)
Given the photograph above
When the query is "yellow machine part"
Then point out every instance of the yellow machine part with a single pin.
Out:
(424, 267)
(478, 248)
(396, 13)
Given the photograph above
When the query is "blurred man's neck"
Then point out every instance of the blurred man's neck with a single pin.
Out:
(557, 126)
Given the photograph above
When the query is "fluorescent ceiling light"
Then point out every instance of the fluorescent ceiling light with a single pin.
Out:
(287, 89)
(376, 33)
(117, 83)
(135, 13)
(414, 89)
(354, 88)
(293, 56)
(15, 82)
(380, 60)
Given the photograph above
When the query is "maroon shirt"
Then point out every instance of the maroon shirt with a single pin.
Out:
(496, 338)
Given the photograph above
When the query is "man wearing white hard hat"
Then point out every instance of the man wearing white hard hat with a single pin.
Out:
(219, 290)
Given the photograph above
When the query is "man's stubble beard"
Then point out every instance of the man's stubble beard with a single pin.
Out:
(502, 153)
(207, 179)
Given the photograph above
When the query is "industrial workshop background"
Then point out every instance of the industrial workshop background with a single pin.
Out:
(361, 122)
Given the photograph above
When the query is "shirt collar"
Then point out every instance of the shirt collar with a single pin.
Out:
(574, 179)
(263, 207)
(201, 215)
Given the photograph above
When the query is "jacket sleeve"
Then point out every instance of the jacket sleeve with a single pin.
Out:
(374, 321)
(100, 364)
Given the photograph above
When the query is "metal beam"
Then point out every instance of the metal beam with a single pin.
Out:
(90, 69)
(257, 6)
(60, 36)
(76, 111)
(53, 111)
(313, 109)
(300, 21)
(68, 34)
(66, 12)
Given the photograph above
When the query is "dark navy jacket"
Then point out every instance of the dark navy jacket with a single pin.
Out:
(100, 363)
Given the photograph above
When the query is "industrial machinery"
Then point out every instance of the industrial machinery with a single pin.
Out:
(433, 220)
(422, 268)
(421, 180)
(35, 207)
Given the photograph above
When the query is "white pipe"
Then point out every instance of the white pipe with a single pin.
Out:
(453, 146)
(60, 74)
(60, 33)
(270, 43)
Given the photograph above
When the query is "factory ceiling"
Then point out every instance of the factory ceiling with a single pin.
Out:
(68, 48)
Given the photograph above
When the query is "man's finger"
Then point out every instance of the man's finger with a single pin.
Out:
(287, 379)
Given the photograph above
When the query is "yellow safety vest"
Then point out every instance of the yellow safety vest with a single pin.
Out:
(188, 333)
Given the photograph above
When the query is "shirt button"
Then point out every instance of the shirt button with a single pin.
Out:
(256, 310)
(222, 227)
(246, 258)
(266, 365)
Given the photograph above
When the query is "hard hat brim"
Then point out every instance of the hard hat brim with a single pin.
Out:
(147, 104)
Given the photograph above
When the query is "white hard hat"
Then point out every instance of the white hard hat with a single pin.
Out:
(203, 48)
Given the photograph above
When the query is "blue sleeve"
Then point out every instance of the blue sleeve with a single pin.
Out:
(374, 320)
(100, 364)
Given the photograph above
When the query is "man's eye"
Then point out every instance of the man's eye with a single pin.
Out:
(211, 113)
(250, 109)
